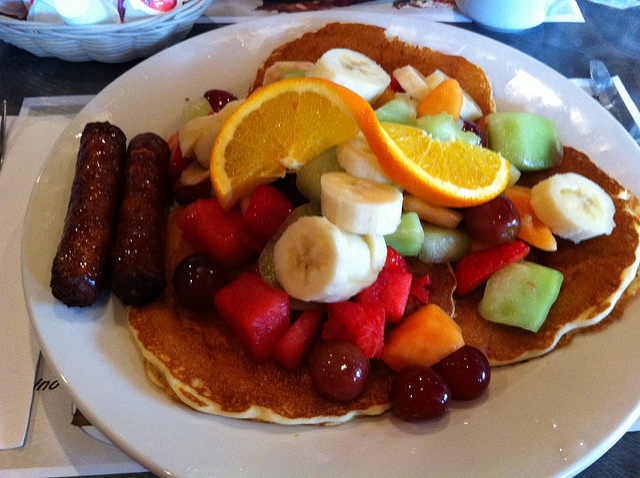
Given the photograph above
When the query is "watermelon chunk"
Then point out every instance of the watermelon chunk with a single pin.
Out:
(361, 324)
(390, 291)
(267, 210)
(420, 288)
(297, 341)
(395, 260)
(257, 312)
(218, 233)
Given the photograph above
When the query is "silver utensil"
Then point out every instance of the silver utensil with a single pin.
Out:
(609, 97)
(3, 132)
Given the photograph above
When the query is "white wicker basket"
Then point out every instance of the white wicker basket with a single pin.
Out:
(105, 43)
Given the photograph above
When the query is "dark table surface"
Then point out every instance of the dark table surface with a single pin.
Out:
(608, 34)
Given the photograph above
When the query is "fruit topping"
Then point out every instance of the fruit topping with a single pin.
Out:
(419, 393)
(315, 260)
(532, 231)
(390, 291)
(360, 206)
(424, 338)
(257, 312)
(196, 279)
(527, 140)
(267, 210)
(408, 237)
(444, 98)
(521, 295)
(573, 206)
(338, 370)
(494, 222)
(294, 345)
(475, 269)
(353, 70)
(361, 324)
(218, 99)
(443, 244)
(466, 371)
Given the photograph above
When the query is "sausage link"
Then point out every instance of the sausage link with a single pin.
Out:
(80, 266)
(138, 256)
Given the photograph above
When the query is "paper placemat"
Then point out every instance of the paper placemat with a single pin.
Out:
(233, 11)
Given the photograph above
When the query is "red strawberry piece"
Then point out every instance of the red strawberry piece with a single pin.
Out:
(267, 210)
(218, 233)
(395, 261)
(390, 291)
(177, 163)
(420, 288)
(257, 312)
(475, 269)
(362, 324)
(297, 341)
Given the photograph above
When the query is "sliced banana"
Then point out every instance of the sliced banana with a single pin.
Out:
(360, 206)
(573, 207)
(315, 260)
(357, 159)
(352, 70)
(279, 70)
(412, 82)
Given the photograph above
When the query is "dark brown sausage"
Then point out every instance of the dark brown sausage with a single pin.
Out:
(80, 265)
(138, 256)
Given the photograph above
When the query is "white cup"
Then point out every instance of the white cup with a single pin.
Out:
(505, 15)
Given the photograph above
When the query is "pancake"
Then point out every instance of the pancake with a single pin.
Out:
(596, 274)
(389, 53)
(198, 361)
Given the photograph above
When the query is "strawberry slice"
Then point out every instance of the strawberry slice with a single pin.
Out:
(361, 324)
(475, 269)
(297, 341)
(257, 312)
(177, 163)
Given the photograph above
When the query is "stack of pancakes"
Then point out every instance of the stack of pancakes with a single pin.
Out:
(197, 360)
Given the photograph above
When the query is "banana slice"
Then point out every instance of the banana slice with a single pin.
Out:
(360, 206)
(412, 82)
(352, 70)
(315, 260)
(357, 159)
(573, 207)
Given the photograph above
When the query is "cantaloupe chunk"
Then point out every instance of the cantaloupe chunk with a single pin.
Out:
(445, 98)
(532, 231)
(423, 338)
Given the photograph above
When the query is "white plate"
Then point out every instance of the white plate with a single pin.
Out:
(551, 416)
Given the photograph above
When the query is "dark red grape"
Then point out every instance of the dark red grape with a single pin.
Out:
(195, 281)
(419, 393)
(494, 222)
(218, 98)
(466, 371)
(469, 125)
(338, 369)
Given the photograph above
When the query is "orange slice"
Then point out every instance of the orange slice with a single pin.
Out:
(452, 173)
(277, 129)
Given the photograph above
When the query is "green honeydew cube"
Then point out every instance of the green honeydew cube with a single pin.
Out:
(408, 238)
(397, 111)
(308, 175)
(443, 244)
(527, 140)
(443, 127)
(521, 294)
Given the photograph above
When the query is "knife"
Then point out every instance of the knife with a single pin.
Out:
(609, 97)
